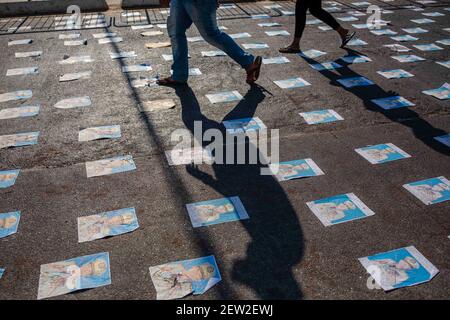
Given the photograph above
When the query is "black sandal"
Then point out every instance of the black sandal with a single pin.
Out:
(347, 39)
(289, 50)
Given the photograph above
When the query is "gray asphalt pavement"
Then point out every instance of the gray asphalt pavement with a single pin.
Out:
(283, 251)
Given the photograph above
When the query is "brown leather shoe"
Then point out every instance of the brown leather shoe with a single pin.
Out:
(254, 70)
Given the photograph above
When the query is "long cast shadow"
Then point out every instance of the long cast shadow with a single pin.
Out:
(422, 129)
(276, 235)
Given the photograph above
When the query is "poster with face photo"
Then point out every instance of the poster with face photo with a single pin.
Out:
(399, 268)
(109, 166)
(216, 211)
(430, 191)
(243, 125)
(9, 223)
(71, 275)
(382, 153)
(295, 169)
(178, 279)
(107, 224)
(339, 209)
(8, 178)
(19, 140)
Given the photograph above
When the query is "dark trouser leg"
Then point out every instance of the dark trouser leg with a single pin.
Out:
(301, 6)
(315, 7)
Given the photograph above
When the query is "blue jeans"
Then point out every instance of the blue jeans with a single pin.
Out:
(203, 14)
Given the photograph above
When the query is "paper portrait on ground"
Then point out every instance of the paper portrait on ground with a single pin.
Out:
(19, 42)
(195, 39)
(422, 21)
(76, 102)
(275, 60)
(325, 28)
(142, 82)
(29, 54)
(321, 116)
(277, 33)
(75, 59)
(355, 59)
(240, 126)
(227, 96)
(103, 132)
(445, 42)
(169, 57)
(355, 82)
(408, 58)
(240, 35)
(295, 169)
(122, 55)
(383, 32)
(326, 66)
(9, 222)
(399, 268)
(192, 72)
(19, 112)
(215, 53)
(397, 47)
(312, 53)
(69, 36)
(415, 30)
(178, 156)
(311, 22)
(248, 46)
(110, 40)
(107, 224)
(109, 166)
(8, 178)
(151, 33)
(137, 68)
(356, 42)
(71, 275)
(382, 153)
(178, 279)
(430, 191)
(393, 102)
(142, 26)
(292, 83)
(339, 209)
(427, 47)
(269, 24)
(75, 76)
(81, 42)
(441, 93)
(16, 95)
(395, 74)
(445, 139)
(156, 105)
(22, 71)
(19, 139)
(104, 35)
(216, 211)
(404, 38)
(156, 45)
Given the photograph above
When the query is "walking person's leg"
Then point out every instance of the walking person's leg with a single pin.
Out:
(203, 14)
(315, 7)
(177, 24)
(316, 10)
(301, 7)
